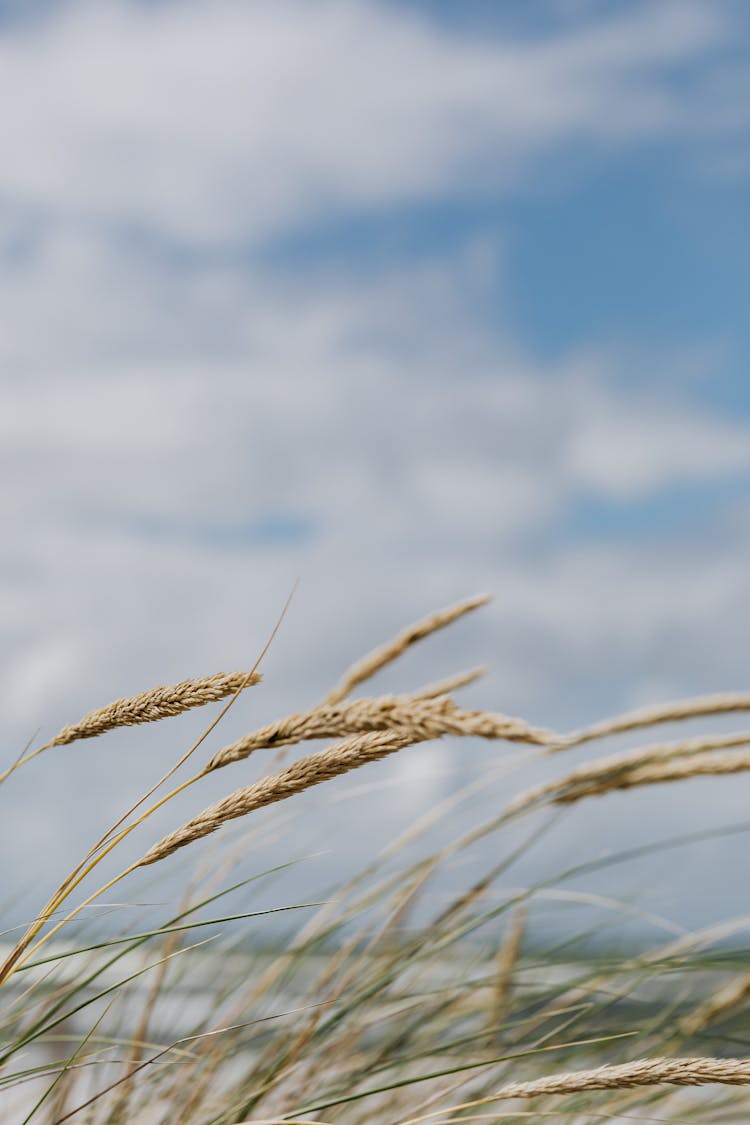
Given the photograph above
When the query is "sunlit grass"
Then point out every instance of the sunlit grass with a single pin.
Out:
(386, 1002)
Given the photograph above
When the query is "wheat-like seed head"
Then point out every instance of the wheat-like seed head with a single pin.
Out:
(157, 703)
(677, 711)
(415, 715)
(322, 766)
(635, 767)
(641, 1072)
(367, 667)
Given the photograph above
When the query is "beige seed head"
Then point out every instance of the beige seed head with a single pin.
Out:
(416, 716)
(157, 703)
(301, 775)
(389, 652)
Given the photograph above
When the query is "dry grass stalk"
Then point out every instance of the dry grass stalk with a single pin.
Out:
(418, 715)
(641, 1072)
(678, 769)
(618, 770)
(670, 952)
(312, 770)
(158, 703)
(725, 1001)
(119, 1111)
(451, 684)
(332, 989)
(389, 652)
(506, 964)
(700, 707)
(373, 729)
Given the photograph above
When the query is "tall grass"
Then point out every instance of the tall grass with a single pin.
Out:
(378, 1006)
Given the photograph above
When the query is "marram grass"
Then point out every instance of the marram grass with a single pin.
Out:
(378, 1005)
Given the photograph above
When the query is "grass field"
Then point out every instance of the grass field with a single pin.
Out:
(384, 1003)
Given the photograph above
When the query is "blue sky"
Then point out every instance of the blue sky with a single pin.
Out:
(403, 299)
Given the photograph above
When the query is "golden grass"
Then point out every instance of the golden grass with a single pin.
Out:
(717, 1006)
(418, 717)
(507, 961)
(368, 730)
(376, 660)
(668, 761)
(679, 710)
(148, 707)
(642, 1073)
(313, 770)
(156, 704)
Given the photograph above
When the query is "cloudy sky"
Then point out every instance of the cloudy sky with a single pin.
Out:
(406, 300)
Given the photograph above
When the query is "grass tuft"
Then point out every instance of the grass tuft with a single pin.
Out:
(395, 1000)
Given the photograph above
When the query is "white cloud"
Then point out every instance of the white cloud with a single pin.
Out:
(133, 487)
(224, 119)
(158, 412)
(140, 489)
(627, 444)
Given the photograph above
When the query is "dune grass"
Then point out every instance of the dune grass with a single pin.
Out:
(380, 1005)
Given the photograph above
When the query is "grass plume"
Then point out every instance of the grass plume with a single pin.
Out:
(416, 1004)
(156, 704)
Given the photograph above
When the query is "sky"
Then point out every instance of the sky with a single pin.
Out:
(402, 300)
